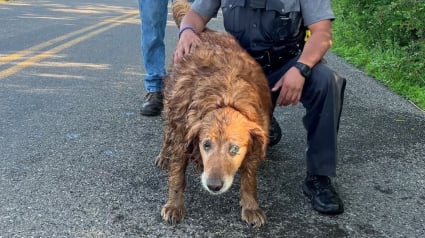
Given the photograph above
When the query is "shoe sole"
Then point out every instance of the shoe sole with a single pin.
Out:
(150, 114)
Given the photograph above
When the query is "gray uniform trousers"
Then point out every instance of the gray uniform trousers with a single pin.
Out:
(322, 97)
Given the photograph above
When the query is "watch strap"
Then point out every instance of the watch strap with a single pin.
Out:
(304, 69)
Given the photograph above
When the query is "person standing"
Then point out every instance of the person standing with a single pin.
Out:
(153, 15)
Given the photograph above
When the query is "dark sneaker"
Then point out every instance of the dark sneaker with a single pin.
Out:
(322, 194)
(153, 104)
(275, 133)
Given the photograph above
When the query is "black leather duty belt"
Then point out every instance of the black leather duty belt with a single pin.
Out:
(271, 60)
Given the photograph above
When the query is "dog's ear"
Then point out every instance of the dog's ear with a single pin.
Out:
(192, 141)
(259, 138)
(192, 135)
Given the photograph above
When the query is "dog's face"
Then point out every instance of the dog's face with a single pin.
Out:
(224, 137)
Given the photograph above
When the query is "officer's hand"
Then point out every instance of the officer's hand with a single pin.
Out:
(187, 40)
(290, 85)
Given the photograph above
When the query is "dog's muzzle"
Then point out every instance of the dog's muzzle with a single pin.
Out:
(216, 185)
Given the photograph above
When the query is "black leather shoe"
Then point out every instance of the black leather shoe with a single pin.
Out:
(275, 133)
(153, 104)
(322, 194)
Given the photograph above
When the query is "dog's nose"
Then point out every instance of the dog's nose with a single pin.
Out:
(214, 184)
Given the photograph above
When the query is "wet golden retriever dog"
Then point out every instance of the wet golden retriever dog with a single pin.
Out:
(217, 111)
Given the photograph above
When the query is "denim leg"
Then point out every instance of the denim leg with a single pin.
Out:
(153, 15)
(322, 97)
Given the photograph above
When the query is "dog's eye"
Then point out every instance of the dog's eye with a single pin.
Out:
(207, 145)
(234, 149)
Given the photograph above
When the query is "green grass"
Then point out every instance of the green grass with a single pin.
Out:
(401, 69)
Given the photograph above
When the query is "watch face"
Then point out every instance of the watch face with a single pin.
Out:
(304, 69)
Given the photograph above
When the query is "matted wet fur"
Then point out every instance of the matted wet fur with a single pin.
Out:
(217, 111)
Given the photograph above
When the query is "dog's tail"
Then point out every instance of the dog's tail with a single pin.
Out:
(180, 8)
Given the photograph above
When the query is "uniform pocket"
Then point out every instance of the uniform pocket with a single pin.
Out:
(233, 12)
(283, 7)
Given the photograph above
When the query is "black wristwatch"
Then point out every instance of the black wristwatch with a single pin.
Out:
(304, 69)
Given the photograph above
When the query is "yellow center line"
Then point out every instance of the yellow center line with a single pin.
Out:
(22, 53)
(37, 58)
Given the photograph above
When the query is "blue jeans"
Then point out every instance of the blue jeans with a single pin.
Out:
(153, 15)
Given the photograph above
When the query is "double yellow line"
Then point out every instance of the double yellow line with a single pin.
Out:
(84, 34)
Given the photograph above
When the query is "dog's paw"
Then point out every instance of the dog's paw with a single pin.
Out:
(172, 214)
(162, 162)
(254, 217)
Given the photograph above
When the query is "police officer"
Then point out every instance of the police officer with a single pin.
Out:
(274, 32)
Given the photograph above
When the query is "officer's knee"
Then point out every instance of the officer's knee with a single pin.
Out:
(325, 80)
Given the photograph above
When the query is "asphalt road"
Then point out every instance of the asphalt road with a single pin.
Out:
(76, 158)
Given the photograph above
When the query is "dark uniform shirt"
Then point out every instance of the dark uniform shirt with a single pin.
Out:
(264, 24)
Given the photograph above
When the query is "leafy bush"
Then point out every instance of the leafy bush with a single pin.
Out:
(387, 39)
(383, 20)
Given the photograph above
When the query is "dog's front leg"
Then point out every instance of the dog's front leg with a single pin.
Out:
(251, 212)
(163, 159)
(173, 211)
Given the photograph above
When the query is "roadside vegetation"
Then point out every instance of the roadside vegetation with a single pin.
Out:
(386, 39)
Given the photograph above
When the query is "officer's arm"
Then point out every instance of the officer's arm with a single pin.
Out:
(194, 20)
(318, 43)
(192, 24)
